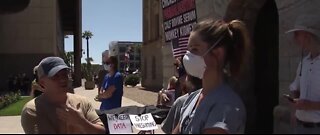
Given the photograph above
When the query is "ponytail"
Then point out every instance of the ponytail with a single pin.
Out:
(233, 36)
(238, 52)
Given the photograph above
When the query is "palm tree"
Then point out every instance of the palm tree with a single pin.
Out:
(89, 59)
(87, 35)
(70, 56)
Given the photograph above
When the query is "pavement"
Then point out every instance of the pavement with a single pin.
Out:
(12, 124)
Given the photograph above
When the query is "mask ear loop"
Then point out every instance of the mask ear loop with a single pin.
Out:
(213, 46)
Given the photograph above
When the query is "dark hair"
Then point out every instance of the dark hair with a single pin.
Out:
(233, 36)
(113, 60)
(196, 82)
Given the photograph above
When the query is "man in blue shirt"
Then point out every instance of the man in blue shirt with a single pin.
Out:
(111, 91)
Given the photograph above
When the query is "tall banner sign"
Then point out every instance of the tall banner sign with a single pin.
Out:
(179, 17)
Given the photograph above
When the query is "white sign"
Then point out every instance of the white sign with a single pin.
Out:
(143, 122)
(119, 124)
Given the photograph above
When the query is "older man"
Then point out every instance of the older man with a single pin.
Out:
(56, 111)
(306, 86)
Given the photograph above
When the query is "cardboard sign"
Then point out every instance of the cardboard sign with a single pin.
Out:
(143, 122)
(119, 124)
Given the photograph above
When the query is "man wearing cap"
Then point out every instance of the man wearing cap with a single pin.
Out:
(56, 111)
(36, 89)
(306, 86)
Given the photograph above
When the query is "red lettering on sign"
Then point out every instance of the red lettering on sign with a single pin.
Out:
(178, 8)
(119, 126)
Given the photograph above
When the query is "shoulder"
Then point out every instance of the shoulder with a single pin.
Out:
(179, 101)
(77, 97)
(190, 98)
(29, 108)
(117, 75)
(193, 94)
(182, 98)
(226, 97)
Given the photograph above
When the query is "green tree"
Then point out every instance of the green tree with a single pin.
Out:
(69, 58)
(89, 59)
(88, 73)
(87, 35)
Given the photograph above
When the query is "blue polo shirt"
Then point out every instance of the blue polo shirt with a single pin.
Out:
(115, 100)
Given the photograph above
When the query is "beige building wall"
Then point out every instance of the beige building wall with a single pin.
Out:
(152, 52)
(28, 36)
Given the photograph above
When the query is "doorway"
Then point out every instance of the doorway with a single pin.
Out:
(266, 51)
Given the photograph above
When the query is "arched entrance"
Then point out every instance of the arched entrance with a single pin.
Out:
(266, 84)
(13, 6)
(260, 86)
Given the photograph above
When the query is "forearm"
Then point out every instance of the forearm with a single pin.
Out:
(109, 92)
(315, 105)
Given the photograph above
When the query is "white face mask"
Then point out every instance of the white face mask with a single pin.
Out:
(106, 67)
(194, 64)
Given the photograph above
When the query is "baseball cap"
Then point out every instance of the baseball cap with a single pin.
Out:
(308, 23)
(50, 66)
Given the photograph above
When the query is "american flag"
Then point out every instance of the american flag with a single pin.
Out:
(179, 46)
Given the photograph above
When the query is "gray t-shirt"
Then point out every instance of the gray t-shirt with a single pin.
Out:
(221, 108)
(173, 116)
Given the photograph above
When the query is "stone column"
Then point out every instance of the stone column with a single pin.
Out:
(77, 44)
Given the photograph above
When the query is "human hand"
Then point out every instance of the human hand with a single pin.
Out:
(71, 115)
(104, 95)
(302, 104)
(165, 97)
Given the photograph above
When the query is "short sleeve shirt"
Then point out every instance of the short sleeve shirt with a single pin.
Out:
(114, 101)
(309, 86)
(221, 108)
(173, 116)
(39, 116)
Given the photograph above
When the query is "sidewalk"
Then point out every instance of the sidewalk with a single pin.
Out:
(11, 124)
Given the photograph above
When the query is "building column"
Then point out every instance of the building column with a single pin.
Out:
(77, 44)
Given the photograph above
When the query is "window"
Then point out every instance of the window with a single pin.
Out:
(154, 68)
(122, 57)
(137, 58)
(156, 27)
(131, 57)
(131, 65)
(122, 65)
(122, 49)
(138, 65)
(145, 68)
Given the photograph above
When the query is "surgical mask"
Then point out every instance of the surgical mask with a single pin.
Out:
(194, 64)
(106, 67)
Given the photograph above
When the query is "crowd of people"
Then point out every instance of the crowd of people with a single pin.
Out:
(200, 97)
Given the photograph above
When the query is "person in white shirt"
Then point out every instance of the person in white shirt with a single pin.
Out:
(306, 86)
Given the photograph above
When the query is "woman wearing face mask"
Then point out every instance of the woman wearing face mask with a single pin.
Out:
(111, 91)
(214, 48)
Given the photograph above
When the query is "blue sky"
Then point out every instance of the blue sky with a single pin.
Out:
(108, 20)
